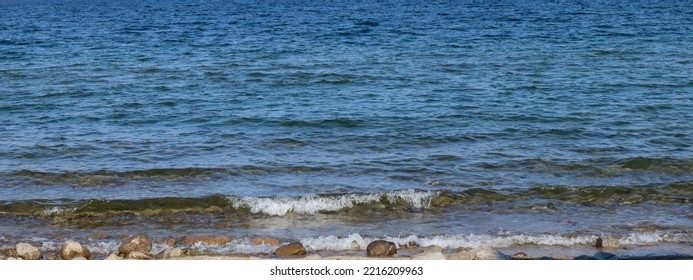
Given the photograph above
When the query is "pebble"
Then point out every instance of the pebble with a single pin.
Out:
(485, 253)
(28, 252)
(136, 243)
(291, 250)
(114, 257)
(381, 248)
(71, 249)
(137, 255)
(171, 253)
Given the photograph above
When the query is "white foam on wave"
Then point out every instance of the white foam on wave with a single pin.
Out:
(333, 243)
(648, 238)
(58, 210)
(358, 242)
(312, 204)
(238, 246)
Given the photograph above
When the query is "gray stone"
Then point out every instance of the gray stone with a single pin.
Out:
(485, 253)
(28, 252)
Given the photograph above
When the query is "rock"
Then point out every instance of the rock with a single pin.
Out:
(137, 255)
(520, 256)
(135, 243)
(167, 241)
(599, 243)
(28, 252)
(459, 256)
(381, 248)
(584, 257)
(79, 258)
(484, 253)
(13, 259)
(10, 252)
(171, 253)
(291, 249)
(98, 235)
(51, 256)
(206, 239)
(604, 256)
(72, 249)
(113, 257)
(265, 241)
(431, 253)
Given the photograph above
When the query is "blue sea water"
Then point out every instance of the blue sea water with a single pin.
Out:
(305, 119)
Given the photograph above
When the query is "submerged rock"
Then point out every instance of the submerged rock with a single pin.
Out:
(381, 248)
(206, 239)
(291, 249)
(28, 252)
(265, 241)
(71, 249)
(135, 243)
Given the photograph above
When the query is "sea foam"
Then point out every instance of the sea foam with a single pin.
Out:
(312, 204)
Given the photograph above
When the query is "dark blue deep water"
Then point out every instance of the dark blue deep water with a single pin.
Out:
(522, 122)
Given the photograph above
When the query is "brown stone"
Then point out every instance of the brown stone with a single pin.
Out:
(206, 239)
(137, 255)
(135, 243)
(381, 248)
(71, 249)
(291, 250)
(10, 252)
(265, 241)
(112, 257)
(28, 252)
(167, 241)
(98, 235)
(599, 243)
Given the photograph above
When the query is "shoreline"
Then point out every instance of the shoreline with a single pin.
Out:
(201, 247)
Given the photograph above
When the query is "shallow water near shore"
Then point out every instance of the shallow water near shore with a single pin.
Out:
(451, 124)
